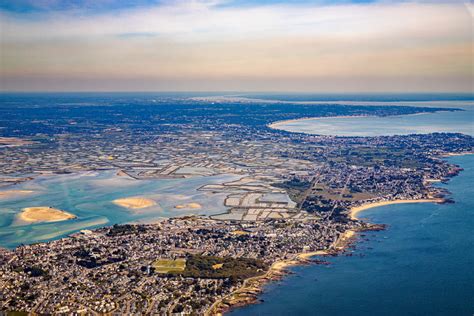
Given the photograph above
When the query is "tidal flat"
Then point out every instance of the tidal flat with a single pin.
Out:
(90, 197)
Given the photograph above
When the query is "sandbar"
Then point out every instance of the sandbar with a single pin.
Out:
(134, 202)
(44, 214)
(11, 193)
(356, 210)
(13, 141)
(193, 206)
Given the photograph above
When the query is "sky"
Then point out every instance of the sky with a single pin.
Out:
(236, 45)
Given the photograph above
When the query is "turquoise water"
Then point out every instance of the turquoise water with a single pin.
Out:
(89, 196)
(460, 121)
(421, 265)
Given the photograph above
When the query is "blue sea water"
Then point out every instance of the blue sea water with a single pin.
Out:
(90, 196)
(421, 265)
(452, 122)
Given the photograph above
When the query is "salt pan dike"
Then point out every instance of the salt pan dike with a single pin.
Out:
(90, 197)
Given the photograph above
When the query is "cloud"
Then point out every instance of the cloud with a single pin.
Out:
(211, 41)
(206, 20)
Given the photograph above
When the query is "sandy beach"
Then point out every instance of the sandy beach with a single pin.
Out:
(193, 206)
(457, 154)
(13, 193)
(275, 125)
(248, 292)
(44, 214)
(356, 210)
(134, 202)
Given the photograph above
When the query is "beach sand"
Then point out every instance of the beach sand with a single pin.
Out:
(276, 124)
(135, 202)
(193, 206)
(13, 193)
(44, 214)
(356, 210)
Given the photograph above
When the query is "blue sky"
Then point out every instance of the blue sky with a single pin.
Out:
(100, 6)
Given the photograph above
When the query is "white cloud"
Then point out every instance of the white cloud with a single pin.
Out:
(202, 44)
(203, 20)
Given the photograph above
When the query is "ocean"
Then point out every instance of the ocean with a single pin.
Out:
(422, 264)
(449, 122)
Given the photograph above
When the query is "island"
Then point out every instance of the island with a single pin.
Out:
(44, 214)
(191, 205)
(135, 202)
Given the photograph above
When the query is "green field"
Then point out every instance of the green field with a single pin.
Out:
(340, 194)
(169, 265)
(222, 267)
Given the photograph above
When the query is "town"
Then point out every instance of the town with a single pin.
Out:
(294, 196)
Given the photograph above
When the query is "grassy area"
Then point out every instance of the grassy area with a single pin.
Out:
(368, 156)
(340, 195)
(169, 265)
(219, 268)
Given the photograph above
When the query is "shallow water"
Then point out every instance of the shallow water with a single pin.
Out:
(89, 196)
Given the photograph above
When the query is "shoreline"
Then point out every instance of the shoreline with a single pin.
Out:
(248, 292)
(353, 212)
(274, 125)
(252, 287)
(447, 155)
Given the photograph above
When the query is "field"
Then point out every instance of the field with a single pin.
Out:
(169, 265)
(340, 194)
(221, 267)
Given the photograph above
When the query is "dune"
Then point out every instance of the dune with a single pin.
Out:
(44, 214)
(135, 202)
(193, 206)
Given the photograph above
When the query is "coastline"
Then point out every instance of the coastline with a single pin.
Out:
(274, 125)
(353, 212)
(457, 154)
(247, 293)
(252, 287)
